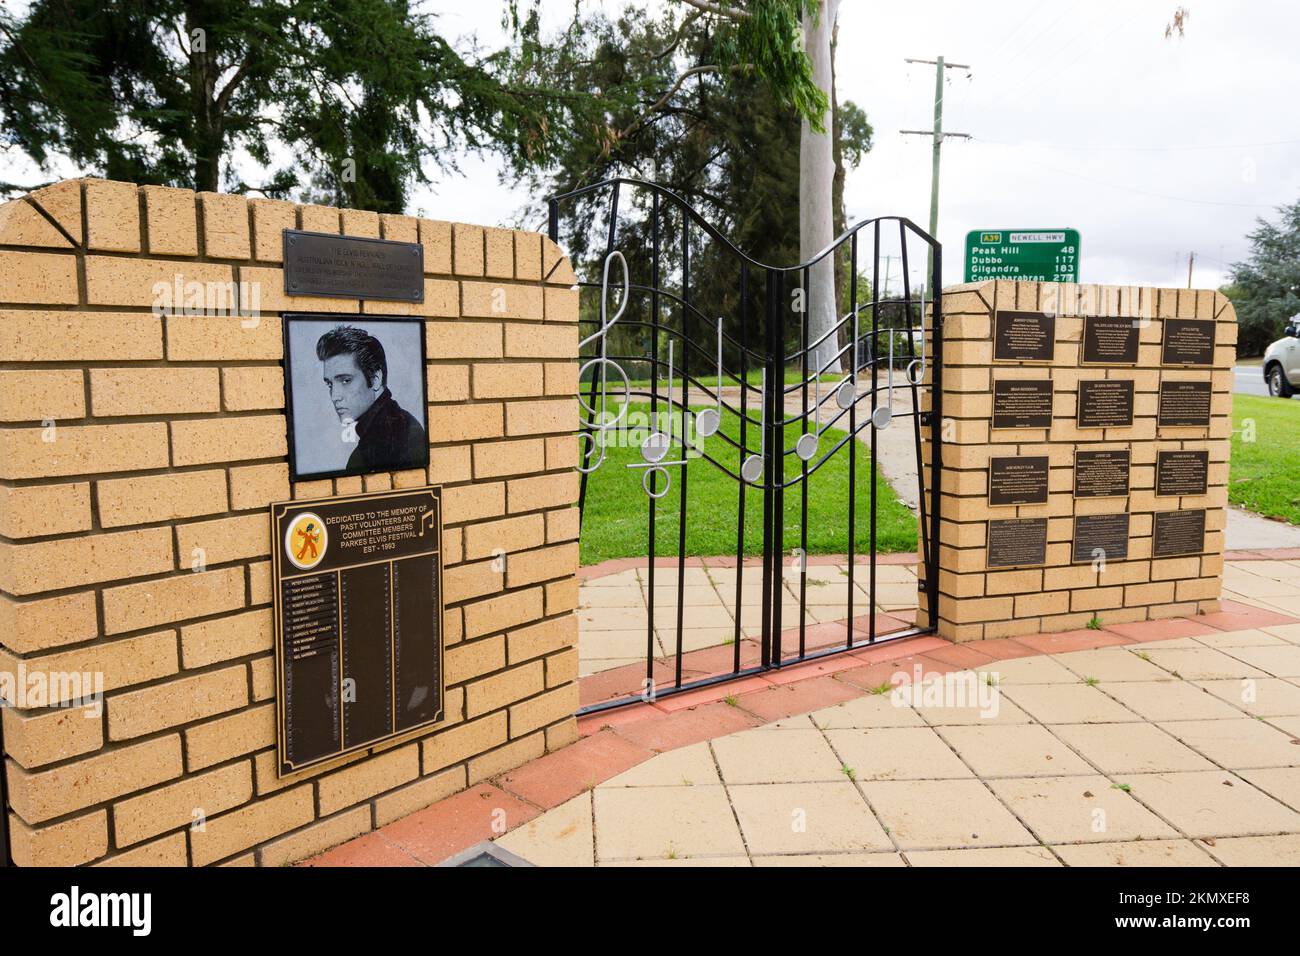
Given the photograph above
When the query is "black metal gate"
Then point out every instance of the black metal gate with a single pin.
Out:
(717, 334)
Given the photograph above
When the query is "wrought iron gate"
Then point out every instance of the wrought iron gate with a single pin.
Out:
(721, 348)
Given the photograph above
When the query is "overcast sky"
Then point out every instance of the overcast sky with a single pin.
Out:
(1083, 115)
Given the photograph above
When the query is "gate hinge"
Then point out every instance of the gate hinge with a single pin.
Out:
(927, 418)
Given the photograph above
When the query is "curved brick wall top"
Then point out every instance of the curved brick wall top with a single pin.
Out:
(135, 439)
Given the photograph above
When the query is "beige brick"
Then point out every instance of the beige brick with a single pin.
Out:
(367, 779)
(255, 823)
(458, 423)
(561, 595)
(562, 668)
(500, 300)
(181, 804)
(155, 283)
(561, 305)
(189, 594)
(416, 796)
(316, 838)
(256, 486)
(507, 379)
(170, 221)
(220, 338)
(225, 226)
(112, 216)
(451, 465)
(179, 701)
(541, 341)
(43, 336)
(506, 758)
(34, 739)
(436, 239)
(148, 498)
(534, 418)
(33, 510)
(509, 534)
(259, 582)
(495, 459)
(492, 693)
(270, 218)
(500, 260)
(464, 581)
(529, 567)
(544, 491)
(222, 540)
(360, 222)
(216, 741)
(74, 562)
(398, 228)
(473, 502)
(62, 202)
(319, 219)
(561, 378)
(22, 225)
(81, 449)
(35, 395)
(468, 245)
(66, 843)
(544, 709)
(541, 638)
(30, 626)
(528, 255)
(470, 659)
(39, 278)
(169, 851)
(463, 741)
(561, 735)
(460, 340)
(153, 391)
(252, 387)
(224, 639)
(121, 663)
(448, 383)
(563, 525)
(200, 441)
(555, 265)
(44, 794)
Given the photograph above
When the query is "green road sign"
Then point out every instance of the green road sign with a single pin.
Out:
(1050, 255)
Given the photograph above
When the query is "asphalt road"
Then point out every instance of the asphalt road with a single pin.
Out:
(1248, 380)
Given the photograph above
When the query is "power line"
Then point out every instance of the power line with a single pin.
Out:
(1208, 146)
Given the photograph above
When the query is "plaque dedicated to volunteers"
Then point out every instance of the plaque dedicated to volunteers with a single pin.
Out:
(1100, 536)
(1188, 342)
(1022, 403)
(1024, 336)
(1178, 532)
(1017, 542)
(1105, 403)
(351, 267)
(1184, 404)
(1101, 474)
(1109, 340)
(358, 621)
(1182, 473)
(1018, 481)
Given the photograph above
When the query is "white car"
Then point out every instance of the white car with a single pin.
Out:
(1282, 362)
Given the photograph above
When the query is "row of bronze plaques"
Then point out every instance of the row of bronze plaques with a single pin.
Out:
(1107, 340)
(1022, 542)
(1103, 403)
(1018, 480)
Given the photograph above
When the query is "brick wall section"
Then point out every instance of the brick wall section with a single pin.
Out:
(976, 602)
(133, 440)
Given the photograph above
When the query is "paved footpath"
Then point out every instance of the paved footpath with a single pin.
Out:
(1169, 742)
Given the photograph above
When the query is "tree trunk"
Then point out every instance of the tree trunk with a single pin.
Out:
(816, 206)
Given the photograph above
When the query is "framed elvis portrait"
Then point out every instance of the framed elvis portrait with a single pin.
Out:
(355, 394)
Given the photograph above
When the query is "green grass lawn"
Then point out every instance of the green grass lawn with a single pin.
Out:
(1264, 476)
(615, 522)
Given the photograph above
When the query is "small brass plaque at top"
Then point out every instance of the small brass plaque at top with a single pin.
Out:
(352, 267)
(1188, 342)
(1024, 336)
(1110, 340)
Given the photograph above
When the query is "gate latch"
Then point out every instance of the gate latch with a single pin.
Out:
(927, 418)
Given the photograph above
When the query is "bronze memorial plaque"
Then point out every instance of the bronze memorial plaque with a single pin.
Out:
(358, 621)
(1178, 532)
(1017, 542)
(1188, 342)
(1101, 474)
(351, 267)
(1109, 340)
(1184, 403)
(1018, 481)
(1182, 473)
(1100, 537)
(1022, 403)
(1106, 403)
(1024, 336)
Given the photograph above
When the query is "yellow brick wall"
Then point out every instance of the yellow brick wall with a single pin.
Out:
(976, 602)
(133, 439)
